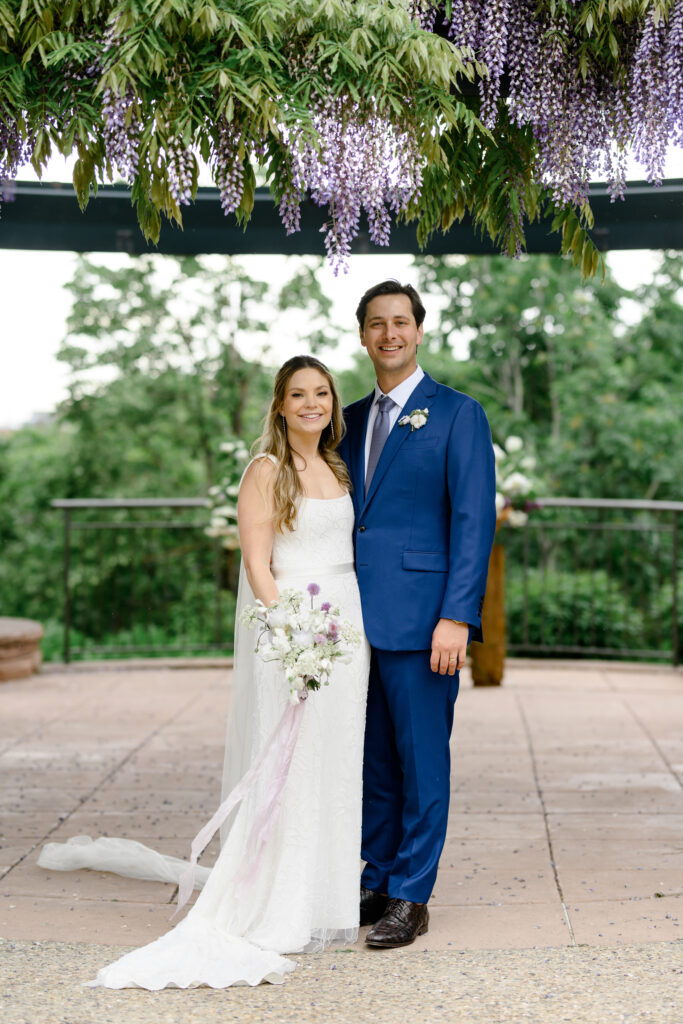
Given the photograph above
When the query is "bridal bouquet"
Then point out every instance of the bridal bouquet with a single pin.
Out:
(307, 640)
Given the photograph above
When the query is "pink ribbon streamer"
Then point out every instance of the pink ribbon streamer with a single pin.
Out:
(279, 750)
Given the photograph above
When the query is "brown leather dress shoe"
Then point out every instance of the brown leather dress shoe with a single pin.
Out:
(400, 924)
(372, 906)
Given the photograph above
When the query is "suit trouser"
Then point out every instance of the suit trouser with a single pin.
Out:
(406, 773)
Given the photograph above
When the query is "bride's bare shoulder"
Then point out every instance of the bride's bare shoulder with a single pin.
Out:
(260, 473)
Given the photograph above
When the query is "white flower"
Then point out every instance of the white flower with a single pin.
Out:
(277, 618)
(500, 502)
(513, 444)
(237, 448)
(498, 453)
(307, 663)
(231, 538)
(417, 419)
(302, 637)
(528, 463)
(516, 517)
(516, 483)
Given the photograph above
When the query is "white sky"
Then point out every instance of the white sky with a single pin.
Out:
(35, 305)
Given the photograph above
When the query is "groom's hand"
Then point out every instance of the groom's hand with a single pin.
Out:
(449, 644)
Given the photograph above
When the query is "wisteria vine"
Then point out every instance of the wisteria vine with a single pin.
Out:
(581, 88)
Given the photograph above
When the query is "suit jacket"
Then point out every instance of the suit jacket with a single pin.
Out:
(423, 533)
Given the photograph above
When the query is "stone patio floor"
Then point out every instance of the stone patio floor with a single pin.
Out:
(560, 893)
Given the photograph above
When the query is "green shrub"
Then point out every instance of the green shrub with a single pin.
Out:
(586, 609)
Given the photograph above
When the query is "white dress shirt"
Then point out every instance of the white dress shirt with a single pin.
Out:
(399, 396)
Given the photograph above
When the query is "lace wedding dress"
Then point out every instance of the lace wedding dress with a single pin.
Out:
(305, 894)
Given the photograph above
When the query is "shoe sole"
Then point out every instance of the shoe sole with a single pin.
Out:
(397, 945)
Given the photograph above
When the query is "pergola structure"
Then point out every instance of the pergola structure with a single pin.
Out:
(46, 216)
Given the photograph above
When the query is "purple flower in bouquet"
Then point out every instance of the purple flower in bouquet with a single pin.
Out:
(320, 638)
(313, 589)
(325, 606)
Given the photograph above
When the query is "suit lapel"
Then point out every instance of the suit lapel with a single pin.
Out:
(422, 393)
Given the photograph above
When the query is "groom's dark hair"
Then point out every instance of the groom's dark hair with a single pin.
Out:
(391, 287)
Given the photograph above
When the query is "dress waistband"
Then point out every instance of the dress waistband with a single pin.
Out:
(312, 571)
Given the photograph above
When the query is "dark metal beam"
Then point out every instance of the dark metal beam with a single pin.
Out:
(46, 216)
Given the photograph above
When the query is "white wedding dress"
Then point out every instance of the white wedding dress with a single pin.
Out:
(305, 894)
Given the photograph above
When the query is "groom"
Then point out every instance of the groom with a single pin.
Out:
(422, 469)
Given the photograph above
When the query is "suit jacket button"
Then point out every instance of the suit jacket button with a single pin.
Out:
(361, 529)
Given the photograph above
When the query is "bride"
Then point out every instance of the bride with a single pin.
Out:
(295, 518)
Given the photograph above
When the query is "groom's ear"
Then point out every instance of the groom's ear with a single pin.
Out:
(362, 337)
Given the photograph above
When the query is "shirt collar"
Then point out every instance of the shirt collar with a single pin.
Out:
(402, 392)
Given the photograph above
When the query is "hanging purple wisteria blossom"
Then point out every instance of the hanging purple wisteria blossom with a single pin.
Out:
(180, 168)
(121, 132)
(359, 162)
(649, 95)
(227, 167)
(15, 152)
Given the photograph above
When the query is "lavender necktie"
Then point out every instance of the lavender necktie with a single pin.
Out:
(380, 433)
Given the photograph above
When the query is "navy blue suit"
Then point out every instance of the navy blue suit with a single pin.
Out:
(423, 538)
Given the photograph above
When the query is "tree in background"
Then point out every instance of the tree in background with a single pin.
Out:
(157, 379)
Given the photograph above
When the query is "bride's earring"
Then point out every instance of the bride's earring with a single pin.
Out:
(331, 431)
(284, 426)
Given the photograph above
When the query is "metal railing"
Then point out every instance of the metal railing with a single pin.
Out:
(137, 583)
(595, 577)
(584, 577)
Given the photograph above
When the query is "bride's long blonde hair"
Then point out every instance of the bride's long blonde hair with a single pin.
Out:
(287, 489)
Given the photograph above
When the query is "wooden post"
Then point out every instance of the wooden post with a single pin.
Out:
(487, 660)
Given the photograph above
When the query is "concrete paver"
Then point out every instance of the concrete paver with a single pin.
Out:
(42, 982)
(565, 830)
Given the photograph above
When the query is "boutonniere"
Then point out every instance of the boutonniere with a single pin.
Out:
(417, 419)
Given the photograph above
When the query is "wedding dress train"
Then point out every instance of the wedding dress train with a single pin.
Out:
(305, 894)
